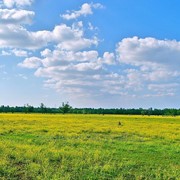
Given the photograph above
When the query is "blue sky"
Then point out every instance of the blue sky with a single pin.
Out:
(123, 53)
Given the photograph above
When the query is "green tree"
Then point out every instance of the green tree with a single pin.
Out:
(27, 108)
(65, 108)
(43, 108)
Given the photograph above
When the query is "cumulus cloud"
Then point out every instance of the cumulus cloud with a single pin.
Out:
(31, 63)
(61, 57)
(20, 53)
(157, 59)
(86, 72)
(66, 37)
(108, 58)
(86, 9)
(149, 52)
(15, 52)
(70, 61)
(72, 71)
(151, 60)
(13, 16)
(13, 33)
(72, 38)
(12, 36)
(17, 3)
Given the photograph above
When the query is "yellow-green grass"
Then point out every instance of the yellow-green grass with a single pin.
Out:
(37, 146)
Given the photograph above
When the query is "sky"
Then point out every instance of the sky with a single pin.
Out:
(110, 54)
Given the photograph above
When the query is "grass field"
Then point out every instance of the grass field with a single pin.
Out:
(36, 146)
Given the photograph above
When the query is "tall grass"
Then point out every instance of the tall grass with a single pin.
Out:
(37, 146)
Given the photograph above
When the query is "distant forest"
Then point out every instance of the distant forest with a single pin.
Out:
(66, 108)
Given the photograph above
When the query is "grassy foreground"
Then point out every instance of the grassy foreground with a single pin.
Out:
(82, 147)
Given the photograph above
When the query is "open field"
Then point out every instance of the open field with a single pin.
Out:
(36, 146)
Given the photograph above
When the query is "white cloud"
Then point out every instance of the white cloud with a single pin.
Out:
(13, 16)
(12, 36)
(156, 59)
(86, 9)
(63, 33)
(16, 52)
(168, 88)
(88, 66)
(72, 71)
(149, 52)
(5, 53)
(72, 38)
(18, 3)
(62, 58)
(20, 53)
(31, 63)
(79, 44)
(86, 72)
(70, 62)
(67, 38)
(108, 58)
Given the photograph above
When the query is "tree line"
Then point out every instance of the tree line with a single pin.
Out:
(66, 108)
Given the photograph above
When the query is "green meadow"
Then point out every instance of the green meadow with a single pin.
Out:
(80, 147)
